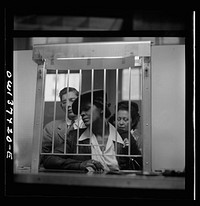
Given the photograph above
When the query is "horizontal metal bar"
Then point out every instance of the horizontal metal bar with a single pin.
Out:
(90, 49)
(91, 44)
(90, 145)
(91, 63)
(82, 58)
(85, 154)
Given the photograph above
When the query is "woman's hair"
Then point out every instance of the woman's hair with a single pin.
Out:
(107, 110)
(66, 89)
(124, 105)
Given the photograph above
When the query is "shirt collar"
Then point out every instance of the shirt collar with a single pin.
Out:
(85, 135)
(77, 123)
(112, 135)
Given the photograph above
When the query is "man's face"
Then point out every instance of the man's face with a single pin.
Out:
(66, 103)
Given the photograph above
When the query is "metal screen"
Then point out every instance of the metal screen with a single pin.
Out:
(92, 58)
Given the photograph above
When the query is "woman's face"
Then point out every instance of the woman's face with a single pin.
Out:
(86, 113)
(123, 120)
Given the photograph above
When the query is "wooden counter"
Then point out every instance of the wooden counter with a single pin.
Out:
(82, 185)
(103, 180)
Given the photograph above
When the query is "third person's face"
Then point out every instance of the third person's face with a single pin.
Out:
(123, 120)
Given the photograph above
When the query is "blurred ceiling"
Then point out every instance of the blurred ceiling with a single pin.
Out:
(152, 22)
(101, 19)
(33, 22)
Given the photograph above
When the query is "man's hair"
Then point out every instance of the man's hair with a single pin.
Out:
(66, 89)
(107, 110)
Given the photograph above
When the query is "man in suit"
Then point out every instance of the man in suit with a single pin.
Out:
(55, 132)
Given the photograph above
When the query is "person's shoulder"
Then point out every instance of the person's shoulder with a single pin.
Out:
(123, 133)
(72, 136)
(75, 131)
(136, 132)
(54, 123)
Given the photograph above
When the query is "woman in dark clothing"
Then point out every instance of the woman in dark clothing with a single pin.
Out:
(122, 124)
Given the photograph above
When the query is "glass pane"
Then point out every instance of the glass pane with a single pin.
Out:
(61, 82)
(136, 88)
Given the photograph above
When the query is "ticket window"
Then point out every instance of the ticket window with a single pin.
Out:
(122, 70)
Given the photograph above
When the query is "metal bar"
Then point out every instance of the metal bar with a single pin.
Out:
(104, 106)
(116, 107)
(91, 114)
(90, 145)
(43, 104)
(97, 49)
(146, 114)
(87, 58)
(38, 120)
(54, 111)
(129, 113)
(91, 63)
(66, 114)
(68, 154)
(79, 101)
(95, 56)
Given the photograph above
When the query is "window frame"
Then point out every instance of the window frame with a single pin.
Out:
(92, 56)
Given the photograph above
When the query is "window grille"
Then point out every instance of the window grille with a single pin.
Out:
(90, 59)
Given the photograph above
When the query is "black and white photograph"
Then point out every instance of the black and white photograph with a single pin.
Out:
(100, 104)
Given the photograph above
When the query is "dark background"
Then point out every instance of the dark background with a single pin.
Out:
(23, 24)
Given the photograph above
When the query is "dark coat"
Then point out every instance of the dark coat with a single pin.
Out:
(72, 162)
(135, 163)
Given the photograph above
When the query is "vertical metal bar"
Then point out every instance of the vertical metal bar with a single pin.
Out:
(194, 98)
(65, 81)
(194, 120)
(116, 107)
(38, 118)
(92, 89)
(66, 109)
(141, 83)
(129, 113)
(43, 103)
(104, 106)
(146, 114)
(54, 111)
(79, 104)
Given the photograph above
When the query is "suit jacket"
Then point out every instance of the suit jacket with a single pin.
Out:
(71, 162)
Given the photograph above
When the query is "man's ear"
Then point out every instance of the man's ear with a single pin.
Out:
(101, 112)
(61, 106)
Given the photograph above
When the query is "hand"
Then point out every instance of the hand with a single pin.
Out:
(126, 142)
(95, 165)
